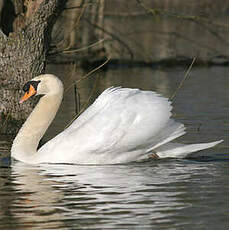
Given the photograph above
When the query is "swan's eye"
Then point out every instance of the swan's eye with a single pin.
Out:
(26, 87)
(30, 89)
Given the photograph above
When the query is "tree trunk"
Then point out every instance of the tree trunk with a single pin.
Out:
(22, 55)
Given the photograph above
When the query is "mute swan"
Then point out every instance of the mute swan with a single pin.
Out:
(122, 125)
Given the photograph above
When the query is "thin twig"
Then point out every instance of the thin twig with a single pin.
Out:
(85, 104)
(94, 70)
(88, 74)
(77, 100)
(172, 98)
(83, 48)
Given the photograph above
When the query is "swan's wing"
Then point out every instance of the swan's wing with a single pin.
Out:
(120, 121)
(181, 150)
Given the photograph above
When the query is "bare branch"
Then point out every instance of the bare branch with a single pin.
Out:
(113, 36)
(155, 12)
(67, 51)
(85, 104)
(88, 74)
(172, 98)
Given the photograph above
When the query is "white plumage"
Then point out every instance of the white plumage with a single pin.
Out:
(122, 125)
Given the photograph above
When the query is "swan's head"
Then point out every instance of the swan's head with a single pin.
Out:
(45, 84)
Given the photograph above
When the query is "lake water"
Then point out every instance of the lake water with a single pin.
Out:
(157, 194)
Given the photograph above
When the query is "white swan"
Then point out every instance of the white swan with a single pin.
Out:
(122, 125)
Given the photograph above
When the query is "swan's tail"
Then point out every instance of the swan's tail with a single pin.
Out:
(177, 150)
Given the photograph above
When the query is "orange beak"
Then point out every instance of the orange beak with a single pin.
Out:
(29, 94)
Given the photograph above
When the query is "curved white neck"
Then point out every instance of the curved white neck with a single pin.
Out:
(25, 144)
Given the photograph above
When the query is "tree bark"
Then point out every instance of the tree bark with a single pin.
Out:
(22, 56)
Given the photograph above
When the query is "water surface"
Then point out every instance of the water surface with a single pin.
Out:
(157, 194)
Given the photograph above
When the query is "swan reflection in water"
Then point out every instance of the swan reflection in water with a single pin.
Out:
(98, 195)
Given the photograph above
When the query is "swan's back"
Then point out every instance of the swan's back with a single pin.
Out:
(121, 125)
(124, 104)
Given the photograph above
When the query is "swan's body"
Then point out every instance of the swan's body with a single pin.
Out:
(122, 125)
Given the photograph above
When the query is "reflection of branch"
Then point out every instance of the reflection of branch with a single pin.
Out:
(175, 34)
(84, 48)
(79, 49)
(77, 13)
(76, 23)
(113, 36)
(120, 14)
(78, 7)
(156, 12)
(201, 21)
(213, 32)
